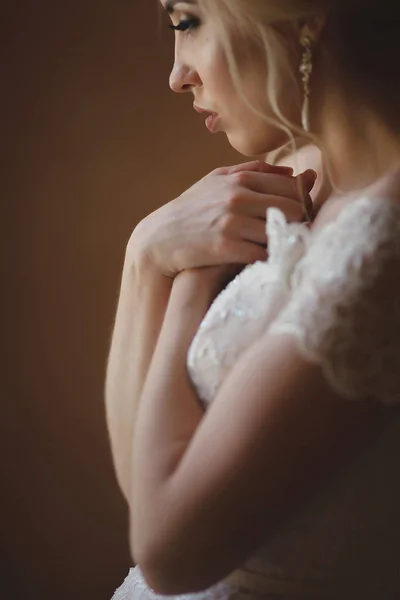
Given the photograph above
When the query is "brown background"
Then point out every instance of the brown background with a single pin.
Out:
(92, 139)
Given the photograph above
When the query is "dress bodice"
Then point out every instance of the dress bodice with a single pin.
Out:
(336, 290)
(247, 306)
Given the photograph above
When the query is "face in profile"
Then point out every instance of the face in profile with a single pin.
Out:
(201, 67)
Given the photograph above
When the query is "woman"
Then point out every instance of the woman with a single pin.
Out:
(254, 428)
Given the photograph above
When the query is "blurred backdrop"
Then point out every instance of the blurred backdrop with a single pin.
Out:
(92, 139)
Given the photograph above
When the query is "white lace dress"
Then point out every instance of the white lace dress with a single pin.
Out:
(337, 291)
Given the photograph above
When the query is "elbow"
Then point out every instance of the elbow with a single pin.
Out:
(156, 563)
(162, 576)
(172, 582)
(171, 565)
(157, 580)
(153, 572)
(173, 576)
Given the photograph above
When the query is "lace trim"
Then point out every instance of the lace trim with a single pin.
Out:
(345, 306)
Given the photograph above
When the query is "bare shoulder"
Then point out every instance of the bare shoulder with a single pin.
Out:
(388, 187)
(330, 211)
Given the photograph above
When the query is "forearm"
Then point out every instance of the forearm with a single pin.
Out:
(169, 412)
(141, 308)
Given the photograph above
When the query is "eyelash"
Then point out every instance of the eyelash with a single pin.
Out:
(186, 25)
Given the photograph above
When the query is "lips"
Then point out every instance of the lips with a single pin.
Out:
(203, 110)
(212, 119)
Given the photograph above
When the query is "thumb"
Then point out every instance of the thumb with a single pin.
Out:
(307, 179)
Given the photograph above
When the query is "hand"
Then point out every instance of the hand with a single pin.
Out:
(220, 219)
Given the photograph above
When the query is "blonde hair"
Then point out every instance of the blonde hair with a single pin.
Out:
(360, 43)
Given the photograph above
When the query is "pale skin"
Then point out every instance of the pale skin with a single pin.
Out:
(224, 221)
(205, 491)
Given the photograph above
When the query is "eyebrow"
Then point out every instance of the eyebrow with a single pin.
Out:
(170, 4)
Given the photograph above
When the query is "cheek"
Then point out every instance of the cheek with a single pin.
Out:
(247, 132)
(213, 70)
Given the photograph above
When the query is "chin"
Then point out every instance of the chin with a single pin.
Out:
(254, 148)
(245, 148)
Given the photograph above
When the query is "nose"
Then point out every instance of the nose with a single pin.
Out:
(183, 78)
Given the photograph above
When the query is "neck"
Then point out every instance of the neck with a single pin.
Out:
(359, 148)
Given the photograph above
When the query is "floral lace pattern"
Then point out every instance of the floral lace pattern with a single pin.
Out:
(333, 290)
(245, 309)
(345, 306)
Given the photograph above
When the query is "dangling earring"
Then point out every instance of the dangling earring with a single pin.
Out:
(306, 68)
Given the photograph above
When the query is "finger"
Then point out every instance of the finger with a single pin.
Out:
(257, 166)
(245, 253)
(256, 205)
(272, 183)
(249, 229)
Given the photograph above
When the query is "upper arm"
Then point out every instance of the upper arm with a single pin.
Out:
(274, 432)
